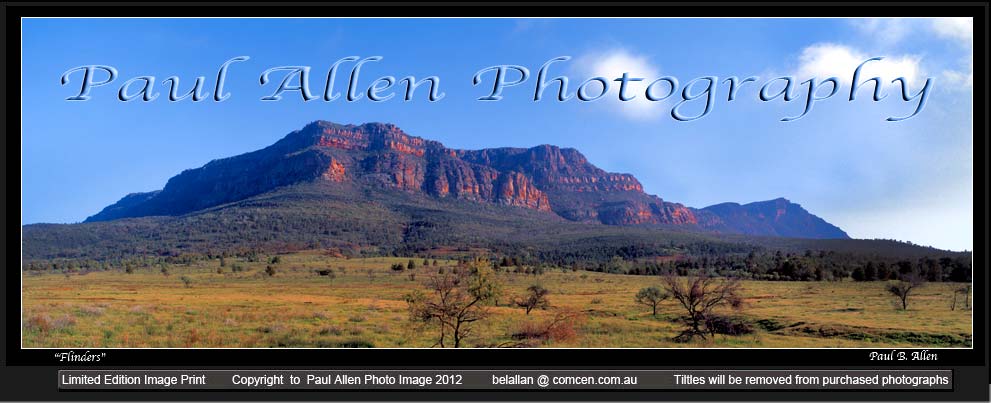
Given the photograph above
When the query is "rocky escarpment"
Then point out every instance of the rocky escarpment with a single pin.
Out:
(545, 178)
(370, 154)
(580, 191)
(384, 155)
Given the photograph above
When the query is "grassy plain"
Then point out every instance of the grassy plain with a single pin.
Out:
(362, 306)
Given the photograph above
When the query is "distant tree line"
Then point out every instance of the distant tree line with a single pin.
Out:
(808, 266)
(755, 264)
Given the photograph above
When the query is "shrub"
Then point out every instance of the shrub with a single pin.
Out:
(333, 330)
(717, 324)
(92, 310)
(46, 324)
(530, 330)
(41, 323)
(562, 327)
(355, 343)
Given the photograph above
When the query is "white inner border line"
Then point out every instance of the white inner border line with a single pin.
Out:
(21, 344)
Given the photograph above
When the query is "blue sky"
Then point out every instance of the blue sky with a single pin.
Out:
(910, 180)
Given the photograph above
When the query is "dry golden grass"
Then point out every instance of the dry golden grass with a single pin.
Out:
(298, 308)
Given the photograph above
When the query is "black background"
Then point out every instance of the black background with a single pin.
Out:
(30, 374)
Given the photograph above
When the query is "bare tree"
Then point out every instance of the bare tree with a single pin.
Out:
(965, 290)
(699, 294)
(651, 296)
(456, 301)
(901, 289)
(536, 297)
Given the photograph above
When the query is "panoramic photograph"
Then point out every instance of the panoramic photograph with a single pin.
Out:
(497, 183)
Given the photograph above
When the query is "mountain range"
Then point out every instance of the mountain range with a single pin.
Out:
(547, 179)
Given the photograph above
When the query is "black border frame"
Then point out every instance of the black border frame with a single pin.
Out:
(32, 370)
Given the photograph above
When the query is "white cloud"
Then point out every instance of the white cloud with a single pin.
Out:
(958, 28)
(612, 65)
(958, 79)
(885, 33)
(824, 60)
(885, 30)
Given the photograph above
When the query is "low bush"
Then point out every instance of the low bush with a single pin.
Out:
(717, 324)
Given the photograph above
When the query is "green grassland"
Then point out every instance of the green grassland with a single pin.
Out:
(362, 305)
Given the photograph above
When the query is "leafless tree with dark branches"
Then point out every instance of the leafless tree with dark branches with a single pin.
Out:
(700, 294)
